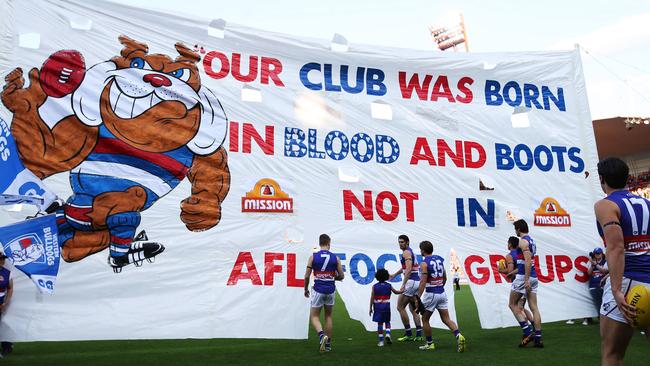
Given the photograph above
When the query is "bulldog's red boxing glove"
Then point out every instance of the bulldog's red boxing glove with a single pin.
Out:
(62, 73)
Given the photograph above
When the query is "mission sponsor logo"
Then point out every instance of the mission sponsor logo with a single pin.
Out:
(550, 213)
(267, 196)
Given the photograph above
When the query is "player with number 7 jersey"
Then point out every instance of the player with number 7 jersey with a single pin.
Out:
(327, 268)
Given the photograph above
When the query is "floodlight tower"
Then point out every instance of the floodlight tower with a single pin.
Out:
(451, 34)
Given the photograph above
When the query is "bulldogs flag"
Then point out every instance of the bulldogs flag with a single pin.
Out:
(33, 247)
(18, 184)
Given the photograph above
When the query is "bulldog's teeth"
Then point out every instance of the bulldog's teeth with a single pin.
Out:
(154, 99)
(114, 95)
(124, 106)
(140, 106)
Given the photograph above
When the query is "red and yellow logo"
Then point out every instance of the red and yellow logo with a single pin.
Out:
(550, 213)
(267, 196)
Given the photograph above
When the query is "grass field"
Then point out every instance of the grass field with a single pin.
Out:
(352, 345)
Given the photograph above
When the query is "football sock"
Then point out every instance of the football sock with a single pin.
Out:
(407, 330)
(418, 331)
(538, 335)
(525, 328)
(456, 333)
(387, 328)
(320, 335)
(429, 340)
(380, 331)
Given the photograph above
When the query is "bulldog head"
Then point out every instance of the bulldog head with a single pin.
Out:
(151, 101)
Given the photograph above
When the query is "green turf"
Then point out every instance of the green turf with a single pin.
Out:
(565, 345)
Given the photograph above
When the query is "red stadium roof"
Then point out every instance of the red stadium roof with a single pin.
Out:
(616, 138)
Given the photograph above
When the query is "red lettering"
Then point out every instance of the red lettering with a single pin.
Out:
(271, 68)
(394, 206)
(422, 151)
(250, 133)
(224, 69)
(234, 136)
(444, 150)
(581, 266)
(414, 84)
(483, 274)
(441, 89)
(550, 276)
(365, 209)
(244, 259)
(270, 268)
(563, 265)
(463, 86)
(236, 68)
(498, 276)
(470, 147)
(408, 198)
(292, 280)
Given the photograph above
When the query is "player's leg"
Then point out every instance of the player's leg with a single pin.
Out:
(443, 307)
(513, 303)
(389, 340)
(402, 302)
(615, 337)
(427, 331)
(329, 306)
(380, 333)
(532, 304)
(416, 318)
(314, 316)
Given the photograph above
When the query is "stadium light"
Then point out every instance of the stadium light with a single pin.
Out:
(451, 33)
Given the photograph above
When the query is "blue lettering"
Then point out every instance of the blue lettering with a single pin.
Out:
(329, 145)
(313, 150)
(573, 156)
(370, 149)
(531, 93)
(529, 157)
(538, 158)
(358, 87)
(329, 86)
(504, 160)
(394, 149)
(304, 76)
(558, 101)
(492, 96)
(354, 269)
(559, 152)
(512, 85)
(375, 78)
(294, 145)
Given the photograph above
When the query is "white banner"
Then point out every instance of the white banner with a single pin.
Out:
(235, 148)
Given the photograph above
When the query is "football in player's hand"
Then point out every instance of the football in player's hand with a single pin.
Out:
(501, 264)
(639, 298)
(62, 73)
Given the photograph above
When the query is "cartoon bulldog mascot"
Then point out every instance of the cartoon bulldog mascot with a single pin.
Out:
(128, 130)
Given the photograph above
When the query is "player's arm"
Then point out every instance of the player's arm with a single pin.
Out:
(510, 265)
(308, 275)
(396, 274)
(506, 268)
(607, 214)
(10, 291)
(408, 264)
(396, 292)
(423, 279)
(372, 297)
(590, 271)
(339, 271)
(444, 277)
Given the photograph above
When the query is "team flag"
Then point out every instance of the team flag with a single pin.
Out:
(17, 184)
(33, 247)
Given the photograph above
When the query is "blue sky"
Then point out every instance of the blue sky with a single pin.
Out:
(616, 33)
